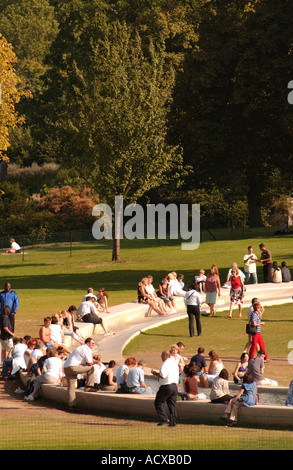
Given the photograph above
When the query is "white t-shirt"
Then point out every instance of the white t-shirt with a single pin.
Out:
(15, 246)
(249, 264)
(172, 285)
(80, 356)
(98, 371)
(18, 357)
(56, 332)
(169, 371)
(36, 353)
(150, 290)
(85, 308)
(53, 367)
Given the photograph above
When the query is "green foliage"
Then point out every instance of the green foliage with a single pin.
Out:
(17, 211)
(130, 86)
(231, 114)
(30, 26)
(110, 104)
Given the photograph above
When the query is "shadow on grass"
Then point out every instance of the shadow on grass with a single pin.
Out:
(113, 280)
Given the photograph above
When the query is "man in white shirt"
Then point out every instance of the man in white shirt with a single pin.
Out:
(250, 260)
(193, 302)
(80, 361)
(88, 313)
(168, 379)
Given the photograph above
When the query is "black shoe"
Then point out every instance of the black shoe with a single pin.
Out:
(161, 423)
(73, 409)
(225, 420)
(172, 422)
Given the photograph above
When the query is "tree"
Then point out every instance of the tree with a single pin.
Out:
(30, 26)
(108, 97)
(9, 96)
(231, 111)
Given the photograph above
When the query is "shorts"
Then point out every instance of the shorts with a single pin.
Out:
(7, 344)
(92, 318)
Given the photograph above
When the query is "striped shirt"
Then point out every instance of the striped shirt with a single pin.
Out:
(255, 318)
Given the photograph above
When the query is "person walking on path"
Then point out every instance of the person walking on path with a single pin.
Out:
(168, 379)
(212, 289)
(193, 302)
(236, 291)
(256, 338)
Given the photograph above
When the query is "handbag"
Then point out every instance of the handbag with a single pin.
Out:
(250, 329)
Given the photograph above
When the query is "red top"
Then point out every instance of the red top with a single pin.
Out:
(235, 282)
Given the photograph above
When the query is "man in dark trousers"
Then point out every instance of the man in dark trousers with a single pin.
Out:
(266, 260)
(168, 379)
(193, 301)
(9, 298)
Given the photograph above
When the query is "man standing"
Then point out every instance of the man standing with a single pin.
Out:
(168, 379)
(80, 361)
(266, 260)
(250, 260)
(9, 298)
(6, 335)
(193, 301)
(135, 380)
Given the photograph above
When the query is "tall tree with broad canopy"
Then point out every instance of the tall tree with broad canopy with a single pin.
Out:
(231, 114)
(107, 103)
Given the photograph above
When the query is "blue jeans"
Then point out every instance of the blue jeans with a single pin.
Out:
(141, 390)
(7, 364)
(254, 277)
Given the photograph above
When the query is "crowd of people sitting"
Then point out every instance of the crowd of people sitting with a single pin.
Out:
(43, 358)
(35, 355)
(44, 364)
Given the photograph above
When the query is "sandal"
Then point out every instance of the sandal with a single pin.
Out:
(231, 423)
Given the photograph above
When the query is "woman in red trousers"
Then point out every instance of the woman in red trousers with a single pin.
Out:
(255, 320)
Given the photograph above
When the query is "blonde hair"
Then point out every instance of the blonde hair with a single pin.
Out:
(63, 312)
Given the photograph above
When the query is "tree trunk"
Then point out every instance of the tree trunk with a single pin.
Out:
(254, 212)
(116, 249)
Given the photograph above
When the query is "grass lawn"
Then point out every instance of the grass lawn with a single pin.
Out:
(90, 432)
(50, 278)
(227, 337)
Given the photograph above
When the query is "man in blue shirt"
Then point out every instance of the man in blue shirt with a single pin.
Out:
(9, 298)
(135, 380)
